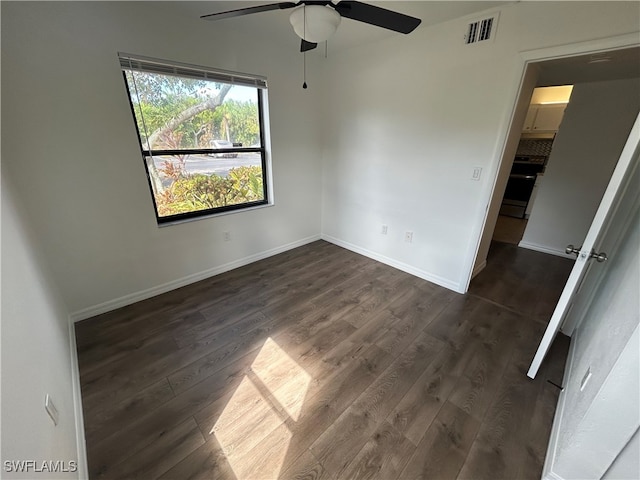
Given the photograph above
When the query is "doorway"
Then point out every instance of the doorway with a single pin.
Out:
(615, 65)
(535, 146)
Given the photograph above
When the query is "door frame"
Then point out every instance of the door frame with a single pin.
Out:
(513, 125)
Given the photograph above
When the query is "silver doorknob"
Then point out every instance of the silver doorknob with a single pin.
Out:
(571, 249)
(600, 257)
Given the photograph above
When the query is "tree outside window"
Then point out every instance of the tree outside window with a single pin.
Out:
(201, 137)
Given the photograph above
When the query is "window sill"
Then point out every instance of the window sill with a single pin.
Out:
(213, 215)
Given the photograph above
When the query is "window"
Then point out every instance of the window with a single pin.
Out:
(201, 135)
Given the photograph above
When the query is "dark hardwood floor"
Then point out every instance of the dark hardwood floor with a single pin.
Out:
(320, 363)
(509, 229)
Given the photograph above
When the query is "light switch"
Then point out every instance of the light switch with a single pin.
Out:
(477, 171)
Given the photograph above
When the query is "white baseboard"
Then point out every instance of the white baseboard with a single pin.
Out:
(81, 446)
(479, 268)
(181, 282)
(544, 249)
(443, 282)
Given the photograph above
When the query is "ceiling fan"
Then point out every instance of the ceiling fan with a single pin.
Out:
(316, 21)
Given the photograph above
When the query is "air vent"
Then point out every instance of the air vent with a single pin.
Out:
(481, 30)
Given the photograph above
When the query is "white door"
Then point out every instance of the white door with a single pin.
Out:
(593, 242)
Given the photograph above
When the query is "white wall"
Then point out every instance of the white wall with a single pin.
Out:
(70, 143)
(36, 354)
(408, 119)
(627, 464)
(594, 129)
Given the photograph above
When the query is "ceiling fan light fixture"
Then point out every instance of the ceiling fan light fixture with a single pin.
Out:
(321, 22)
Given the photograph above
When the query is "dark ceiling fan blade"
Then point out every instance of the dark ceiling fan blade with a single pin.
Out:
(306, 46)
(380, 17)
(249, 10)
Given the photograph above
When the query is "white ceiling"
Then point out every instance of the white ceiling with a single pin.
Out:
(274, 25)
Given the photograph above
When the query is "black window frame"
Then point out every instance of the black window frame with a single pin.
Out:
(220, 76)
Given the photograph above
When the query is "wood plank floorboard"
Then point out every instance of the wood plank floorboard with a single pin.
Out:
(444, 447)
(339, 444)
(320, 363)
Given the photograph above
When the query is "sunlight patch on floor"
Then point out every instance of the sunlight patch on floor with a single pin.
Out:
(252, 430)
(282, 376)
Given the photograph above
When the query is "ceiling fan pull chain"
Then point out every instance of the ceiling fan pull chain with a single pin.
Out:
(304, 70)
(304, 54)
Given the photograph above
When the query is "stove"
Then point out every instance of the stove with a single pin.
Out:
(522, 179)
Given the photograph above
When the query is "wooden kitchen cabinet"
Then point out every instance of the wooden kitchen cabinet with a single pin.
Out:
(544, 118)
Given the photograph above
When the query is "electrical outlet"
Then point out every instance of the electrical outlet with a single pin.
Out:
(408, 237)
(384, 230)
(226, 236)
(51, 409)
